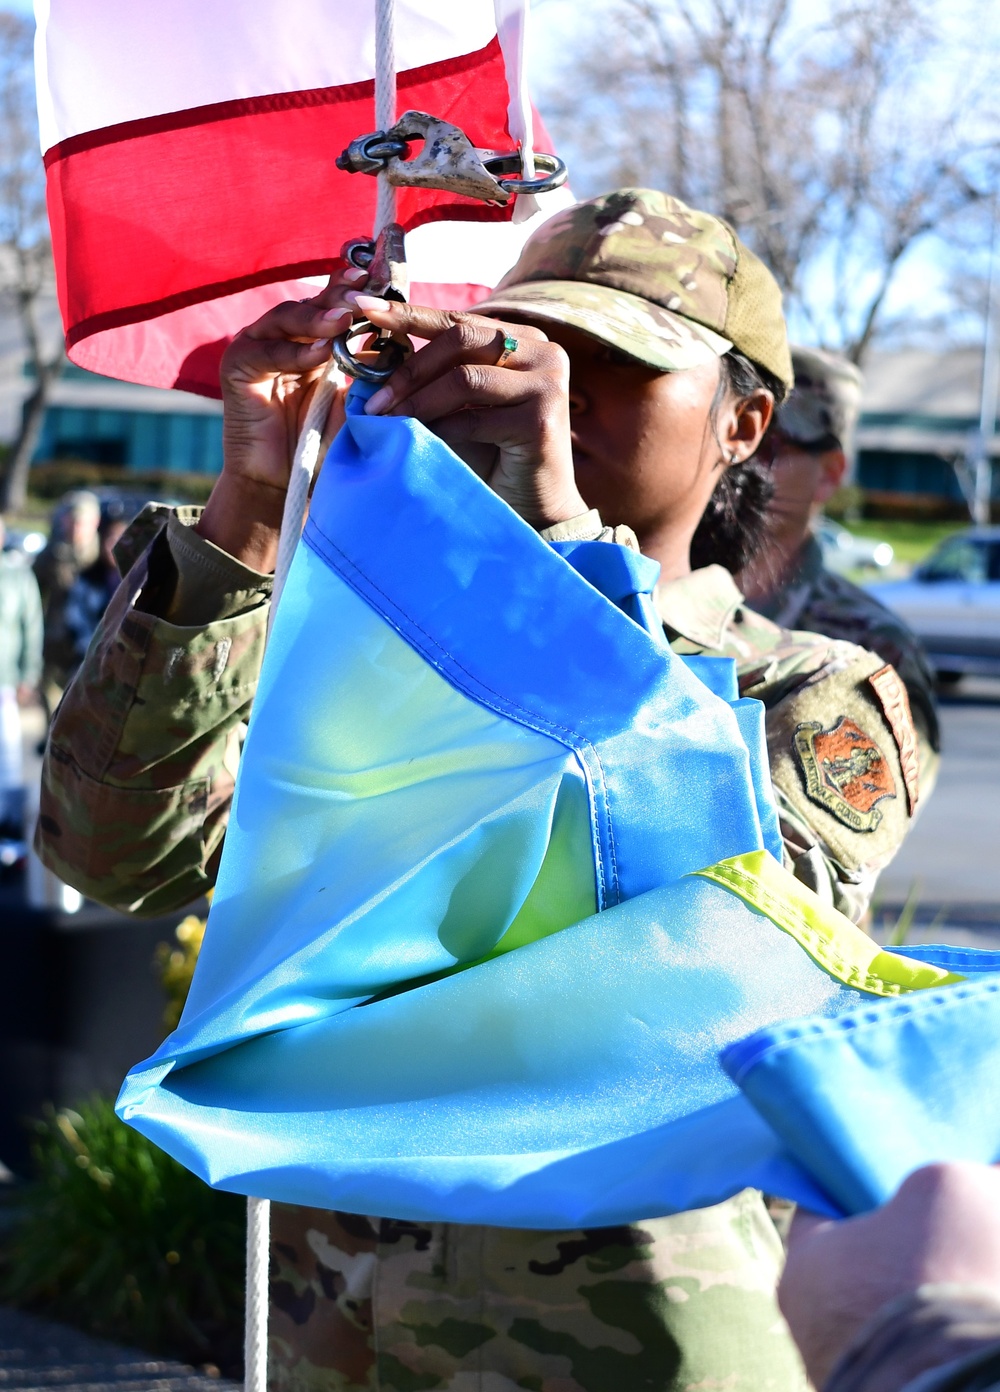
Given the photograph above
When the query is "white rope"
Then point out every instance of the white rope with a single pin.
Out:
(303, 468)
(258, 1262)
(385, 101)
(259, 1210)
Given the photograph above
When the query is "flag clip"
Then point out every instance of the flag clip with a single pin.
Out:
(448, 161)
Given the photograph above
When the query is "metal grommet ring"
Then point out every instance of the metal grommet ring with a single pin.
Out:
(507, 352)
(376, 373)
(382, 147)
(551, 172)
(359, 252)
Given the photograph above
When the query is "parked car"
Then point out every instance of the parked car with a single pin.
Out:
(952, 603)
(843, 551)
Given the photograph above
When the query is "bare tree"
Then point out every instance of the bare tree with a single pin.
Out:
(26, 273)
(823, 134)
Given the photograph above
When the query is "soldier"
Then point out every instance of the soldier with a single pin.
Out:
(622, 376)
(72, 546)
(811, 447)
(20, 671)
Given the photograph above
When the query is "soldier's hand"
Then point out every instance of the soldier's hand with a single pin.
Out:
(269, 374)
(941, 1227)
(510, 423)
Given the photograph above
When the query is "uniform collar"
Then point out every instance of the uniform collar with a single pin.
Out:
(784, 605)
(699, 606)
(810, 561)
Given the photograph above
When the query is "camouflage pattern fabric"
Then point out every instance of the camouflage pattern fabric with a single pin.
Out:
(664, 283)
(805, 680)
(671, 1305)
(815, 599)
(940, 1338)
(137, 782)
(141, 760)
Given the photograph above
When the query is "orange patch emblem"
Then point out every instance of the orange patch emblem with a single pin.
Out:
(845, 771)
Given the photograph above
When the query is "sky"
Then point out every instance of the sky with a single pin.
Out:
(967, 33)
(923, 276)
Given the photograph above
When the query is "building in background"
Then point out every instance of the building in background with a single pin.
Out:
(142, 428)
(919, 411)
(101, 421)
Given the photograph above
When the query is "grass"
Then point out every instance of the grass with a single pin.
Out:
(911, 541)
(117, 1238)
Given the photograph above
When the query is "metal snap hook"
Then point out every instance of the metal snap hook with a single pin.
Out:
(394, 354)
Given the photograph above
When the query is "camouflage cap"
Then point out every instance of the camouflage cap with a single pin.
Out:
(646, 274)
(825, 402)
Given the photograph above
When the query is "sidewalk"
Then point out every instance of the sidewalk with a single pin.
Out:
(35, 1354)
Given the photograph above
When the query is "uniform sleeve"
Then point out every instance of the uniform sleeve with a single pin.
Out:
(845, 764)
(141, 760)
(836, 607)
(938, 1338)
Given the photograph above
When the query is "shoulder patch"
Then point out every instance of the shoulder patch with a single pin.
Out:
(845, 771)
(891, 692)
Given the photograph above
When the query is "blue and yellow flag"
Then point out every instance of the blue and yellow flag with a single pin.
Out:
(500, 933)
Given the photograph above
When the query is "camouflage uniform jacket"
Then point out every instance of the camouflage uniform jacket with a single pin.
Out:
(937, 1338)
(137, 783)
(818, 600)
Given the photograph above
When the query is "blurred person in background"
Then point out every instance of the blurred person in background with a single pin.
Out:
(20, 673)
(73, 545)
(811, 447)
(904, 1299)
(91, 591)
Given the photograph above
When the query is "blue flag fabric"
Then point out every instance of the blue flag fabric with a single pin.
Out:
(862, 1100)
(497, 889)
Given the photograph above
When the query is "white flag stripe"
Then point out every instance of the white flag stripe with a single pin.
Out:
(477, 253)
(171, 55)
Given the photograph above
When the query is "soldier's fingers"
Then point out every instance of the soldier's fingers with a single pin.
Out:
(342, 280)
(473, 386)
(421, 322)
(300, 322)
(471, 341)
(474, 346)
(249, 360)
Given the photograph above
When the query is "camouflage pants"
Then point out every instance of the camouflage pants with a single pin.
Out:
(672, 1305)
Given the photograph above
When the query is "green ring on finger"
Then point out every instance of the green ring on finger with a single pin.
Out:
(507, 352)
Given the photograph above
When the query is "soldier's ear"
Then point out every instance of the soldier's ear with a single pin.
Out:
(746, 424)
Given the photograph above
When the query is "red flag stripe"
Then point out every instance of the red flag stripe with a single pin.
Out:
(176, 226)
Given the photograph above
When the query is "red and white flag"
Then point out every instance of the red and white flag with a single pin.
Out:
(190, 151)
